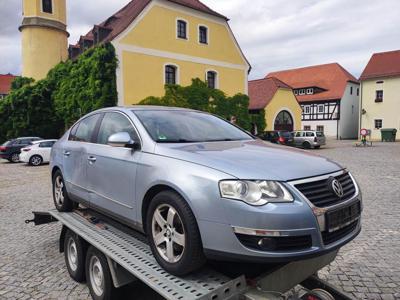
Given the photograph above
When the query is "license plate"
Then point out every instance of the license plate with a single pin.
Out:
(342, 217)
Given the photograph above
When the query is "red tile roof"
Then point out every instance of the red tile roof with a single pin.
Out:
(384, 64)
(332, 78)
(5, 83)
(262, 91)
(119, 21)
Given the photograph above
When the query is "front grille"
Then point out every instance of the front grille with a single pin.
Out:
(283, 243)
(321, 194)
(331, 237)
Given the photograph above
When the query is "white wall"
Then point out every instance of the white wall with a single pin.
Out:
(349, 113)
(330, 126)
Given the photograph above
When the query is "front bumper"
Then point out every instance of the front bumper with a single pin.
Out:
(293, 229)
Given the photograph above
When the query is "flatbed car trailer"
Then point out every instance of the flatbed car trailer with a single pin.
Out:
(129, 258)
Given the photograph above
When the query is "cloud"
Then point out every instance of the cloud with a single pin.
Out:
(274, 35)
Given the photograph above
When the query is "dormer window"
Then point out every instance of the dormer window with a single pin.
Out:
(302, 92)
(310, 91)
(203, 35)
(296, 92)
(181, 29)
(47, 6)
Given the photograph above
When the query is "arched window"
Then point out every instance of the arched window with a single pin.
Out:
(47, 6)
(203, 34)
(181, 27)
(212, 79)
(170, 74)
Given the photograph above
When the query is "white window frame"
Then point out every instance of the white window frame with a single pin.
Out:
(381, 123)
(198, 34)
(302, 92)
(187, 29)
(310, 91)
(177, 75)
(307, 109)
(296, 92)
(52, 7)
(216, 77)
(323, 108)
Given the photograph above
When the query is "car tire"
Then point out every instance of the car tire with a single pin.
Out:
(35, 160)
(74, 254)
(98, 276)
(175, 238)
(60, 195)
(306, 145)
(317, 147)
(14, 158)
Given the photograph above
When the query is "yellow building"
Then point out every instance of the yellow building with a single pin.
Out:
(282, 110)
(162, 42)
(44, 36)
(380, 90)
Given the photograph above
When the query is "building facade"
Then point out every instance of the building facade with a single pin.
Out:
(380, 90)
(44, 36)
(329, 98)
(162, 42)
(282, 111)
(5, 84)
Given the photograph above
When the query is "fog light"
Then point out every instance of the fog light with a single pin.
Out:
(267, 244)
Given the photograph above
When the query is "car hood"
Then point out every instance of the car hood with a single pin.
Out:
(252, 159)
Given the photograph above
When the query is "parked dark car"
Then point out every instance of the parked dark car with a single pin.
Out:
(10, 150)
(278, 137)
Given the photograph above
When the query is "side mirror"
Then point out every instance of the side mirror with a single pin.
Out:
(122, 140)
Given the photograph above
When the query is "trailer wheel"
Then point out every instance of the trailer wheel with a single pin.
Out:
(98, 276)
(74, 253)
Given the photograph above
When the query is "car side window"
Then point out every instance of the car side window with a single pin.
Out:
(46, 145)
(310, 134)
(86, 129)
(113, 123)
(298, 134)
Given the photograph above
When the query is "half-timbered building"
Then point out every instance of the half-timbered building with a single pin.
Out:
(328, 96)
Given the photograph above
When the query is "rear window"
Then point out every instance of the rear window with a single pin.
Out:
(320, 134)
(7, 143)
(286, 134)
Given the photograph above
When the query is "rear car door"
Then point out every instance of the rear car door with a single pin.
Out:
(111, 171)
(44, 150)
(74, 157)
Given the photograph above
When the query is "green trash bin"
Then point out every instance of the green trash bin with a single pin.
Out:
(388, 134)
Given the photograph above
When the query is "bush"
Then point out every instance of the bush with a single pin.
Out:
(199, 96)
(72, 89)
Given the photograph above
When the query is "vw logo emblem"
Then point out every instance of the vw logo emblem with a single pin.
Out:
(337, 188)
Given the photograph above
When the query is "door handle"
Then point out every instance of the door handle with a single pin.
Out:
(67, 153)
(91, 159)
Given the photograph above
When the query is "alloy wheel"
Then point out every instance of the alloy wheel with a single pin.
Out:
(15, 157)
(168, 233)
(36, 161)
(59, 190)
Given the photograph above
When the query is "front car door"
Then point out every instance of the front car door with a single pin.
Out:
(111, 171)
(74, 157)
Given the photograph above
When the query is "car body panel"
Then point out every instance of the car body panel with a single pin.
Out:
(119, 180)
(37, 148)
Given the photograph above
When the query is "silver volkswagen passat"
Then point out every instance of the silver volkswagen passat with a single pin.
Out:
(200, 187)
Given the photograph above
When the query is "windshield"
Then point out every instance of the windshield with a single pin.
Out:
(177, 126)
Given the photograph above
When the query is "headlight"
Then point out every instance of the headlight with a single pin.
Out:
(255, 192)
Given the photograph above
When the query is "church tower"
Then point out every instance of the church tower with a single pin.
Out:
(44, 36)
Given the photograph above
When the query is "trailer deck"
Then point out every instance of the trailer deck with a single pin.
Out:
(130, 259)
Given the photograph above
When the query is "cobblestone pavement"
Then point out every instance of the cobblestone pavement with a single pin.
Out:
(368, 268)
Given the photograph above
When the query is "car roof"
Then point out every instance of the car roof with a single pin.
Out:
(27, 137)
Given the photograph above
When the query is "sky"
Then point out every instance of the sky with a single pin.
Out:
(273, 34)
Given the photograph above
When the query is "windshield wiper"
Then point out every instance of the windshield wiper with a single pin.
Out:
(176, 141)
